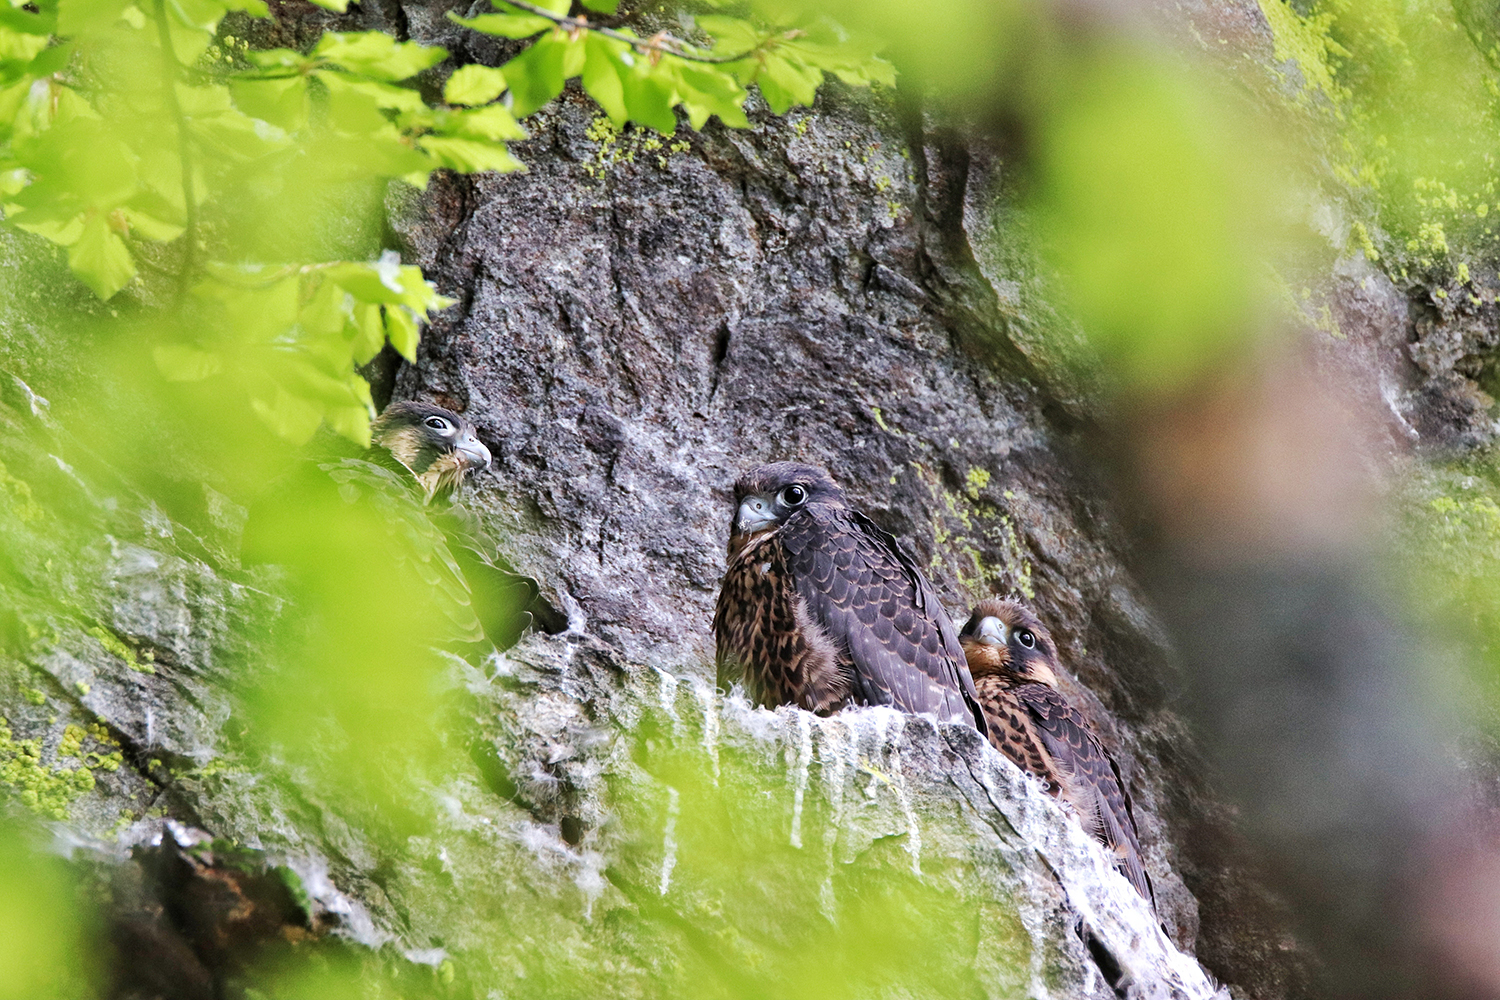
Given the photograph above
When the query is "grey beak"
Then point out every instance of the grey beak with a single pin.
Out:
(756, 513)
(473, 453)
(992, 632)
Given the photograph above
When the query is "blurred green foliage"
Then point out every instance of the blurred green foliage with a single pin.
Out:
(41, 927)
(171, 160)
(1409, 93)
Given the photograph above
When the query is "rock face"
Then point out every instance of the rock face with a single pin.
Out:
(641, 319)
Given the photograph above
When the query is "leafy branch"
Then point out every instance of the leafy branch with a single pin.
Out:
(123, 132)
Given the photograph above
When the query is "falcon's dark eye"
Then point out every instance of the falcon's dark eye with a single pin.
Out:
(438, 424)
(1026, 639)
(794, 496)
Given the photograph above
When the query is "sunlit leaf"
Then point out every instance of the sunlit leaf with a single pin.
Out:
(473, 84)
(536, 75)
(401, 328)
(378, 55)
(100, 258)
(470, 155)
(648, 99)
(284, 103)
(185, 363)
(504, 25)
(82, 17)
(602, 6)
(289, 416)
(493, 122)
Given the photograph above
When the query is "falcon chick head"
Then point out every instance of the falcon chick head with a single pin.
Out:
(766, 496)
(1007, 639)
(437, 445)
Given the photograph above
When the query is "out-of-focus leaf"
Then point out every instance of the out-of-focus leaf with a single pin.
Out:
(536, 75)
(601, 75)
(602, 6)
(470, 155)
(784, 83)
(82, 17)
(100, 258)
(732, 36)
(185, 363)
(648, 99)
(504, 25)
(378, 55)
(493, 122)
(284, 103)
(291, 417)
(401, 328)
(474, 85)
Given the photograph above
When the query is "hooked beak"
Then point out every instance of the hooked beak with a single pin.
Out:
(473, 454)
(992, 632)
(757, 512)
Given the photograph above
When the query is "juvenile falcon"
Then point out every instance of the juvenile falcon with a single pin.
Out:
(440, 449)
(1014, 664)
(821, 609)
(420, 454)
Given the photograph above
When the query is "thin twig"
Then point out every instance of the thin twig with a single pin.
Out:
(171, 73)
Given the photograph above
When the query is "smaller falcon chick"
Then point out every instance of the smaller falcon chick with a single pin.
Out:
(437, 445)
(1014, 663)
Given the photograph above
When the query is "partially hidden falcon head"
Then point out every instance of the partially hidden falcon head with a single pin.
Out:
(766, 496)
(437, 445)
(1007, 639)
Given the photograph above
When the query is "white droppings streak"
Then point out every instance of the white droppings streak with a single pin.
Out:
(710, 702)
(804, 758)
(669, 841)
(903, 797)
(669, 698)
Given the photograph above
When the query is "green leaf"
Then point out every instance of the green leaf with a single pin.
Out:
(731, 35)
(201, 14)
(493, 122)
(555, 6)
(366, 332)
(342, 6)
(150, 226)
(82, 17)
(290, 417)
(536, 75)
(601, 76)
(504, 25)
(648, 99)
(706, 90)
(473, 85)
(378, 55)
(602, 6)
(284, 103)
(401, 328)
(279, 59)
(184, 363)
(470, 156)
(381, 95)
(100, 258)
(784, 84)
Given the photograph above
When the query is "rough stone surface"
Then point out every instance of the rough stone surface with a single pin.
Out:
(640, 320)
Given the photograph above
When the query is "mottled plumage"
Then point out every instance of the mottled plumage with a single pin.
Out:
(821, 609)
(1013, 661)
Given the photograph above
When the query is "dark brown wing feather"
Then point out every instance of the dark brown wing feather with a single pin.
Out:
(766, 640)
(890, 633)
(1088, 776)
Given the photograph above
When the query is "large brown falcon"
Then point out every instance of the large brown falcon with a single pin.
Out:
(1014, 663)
(821, 609)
